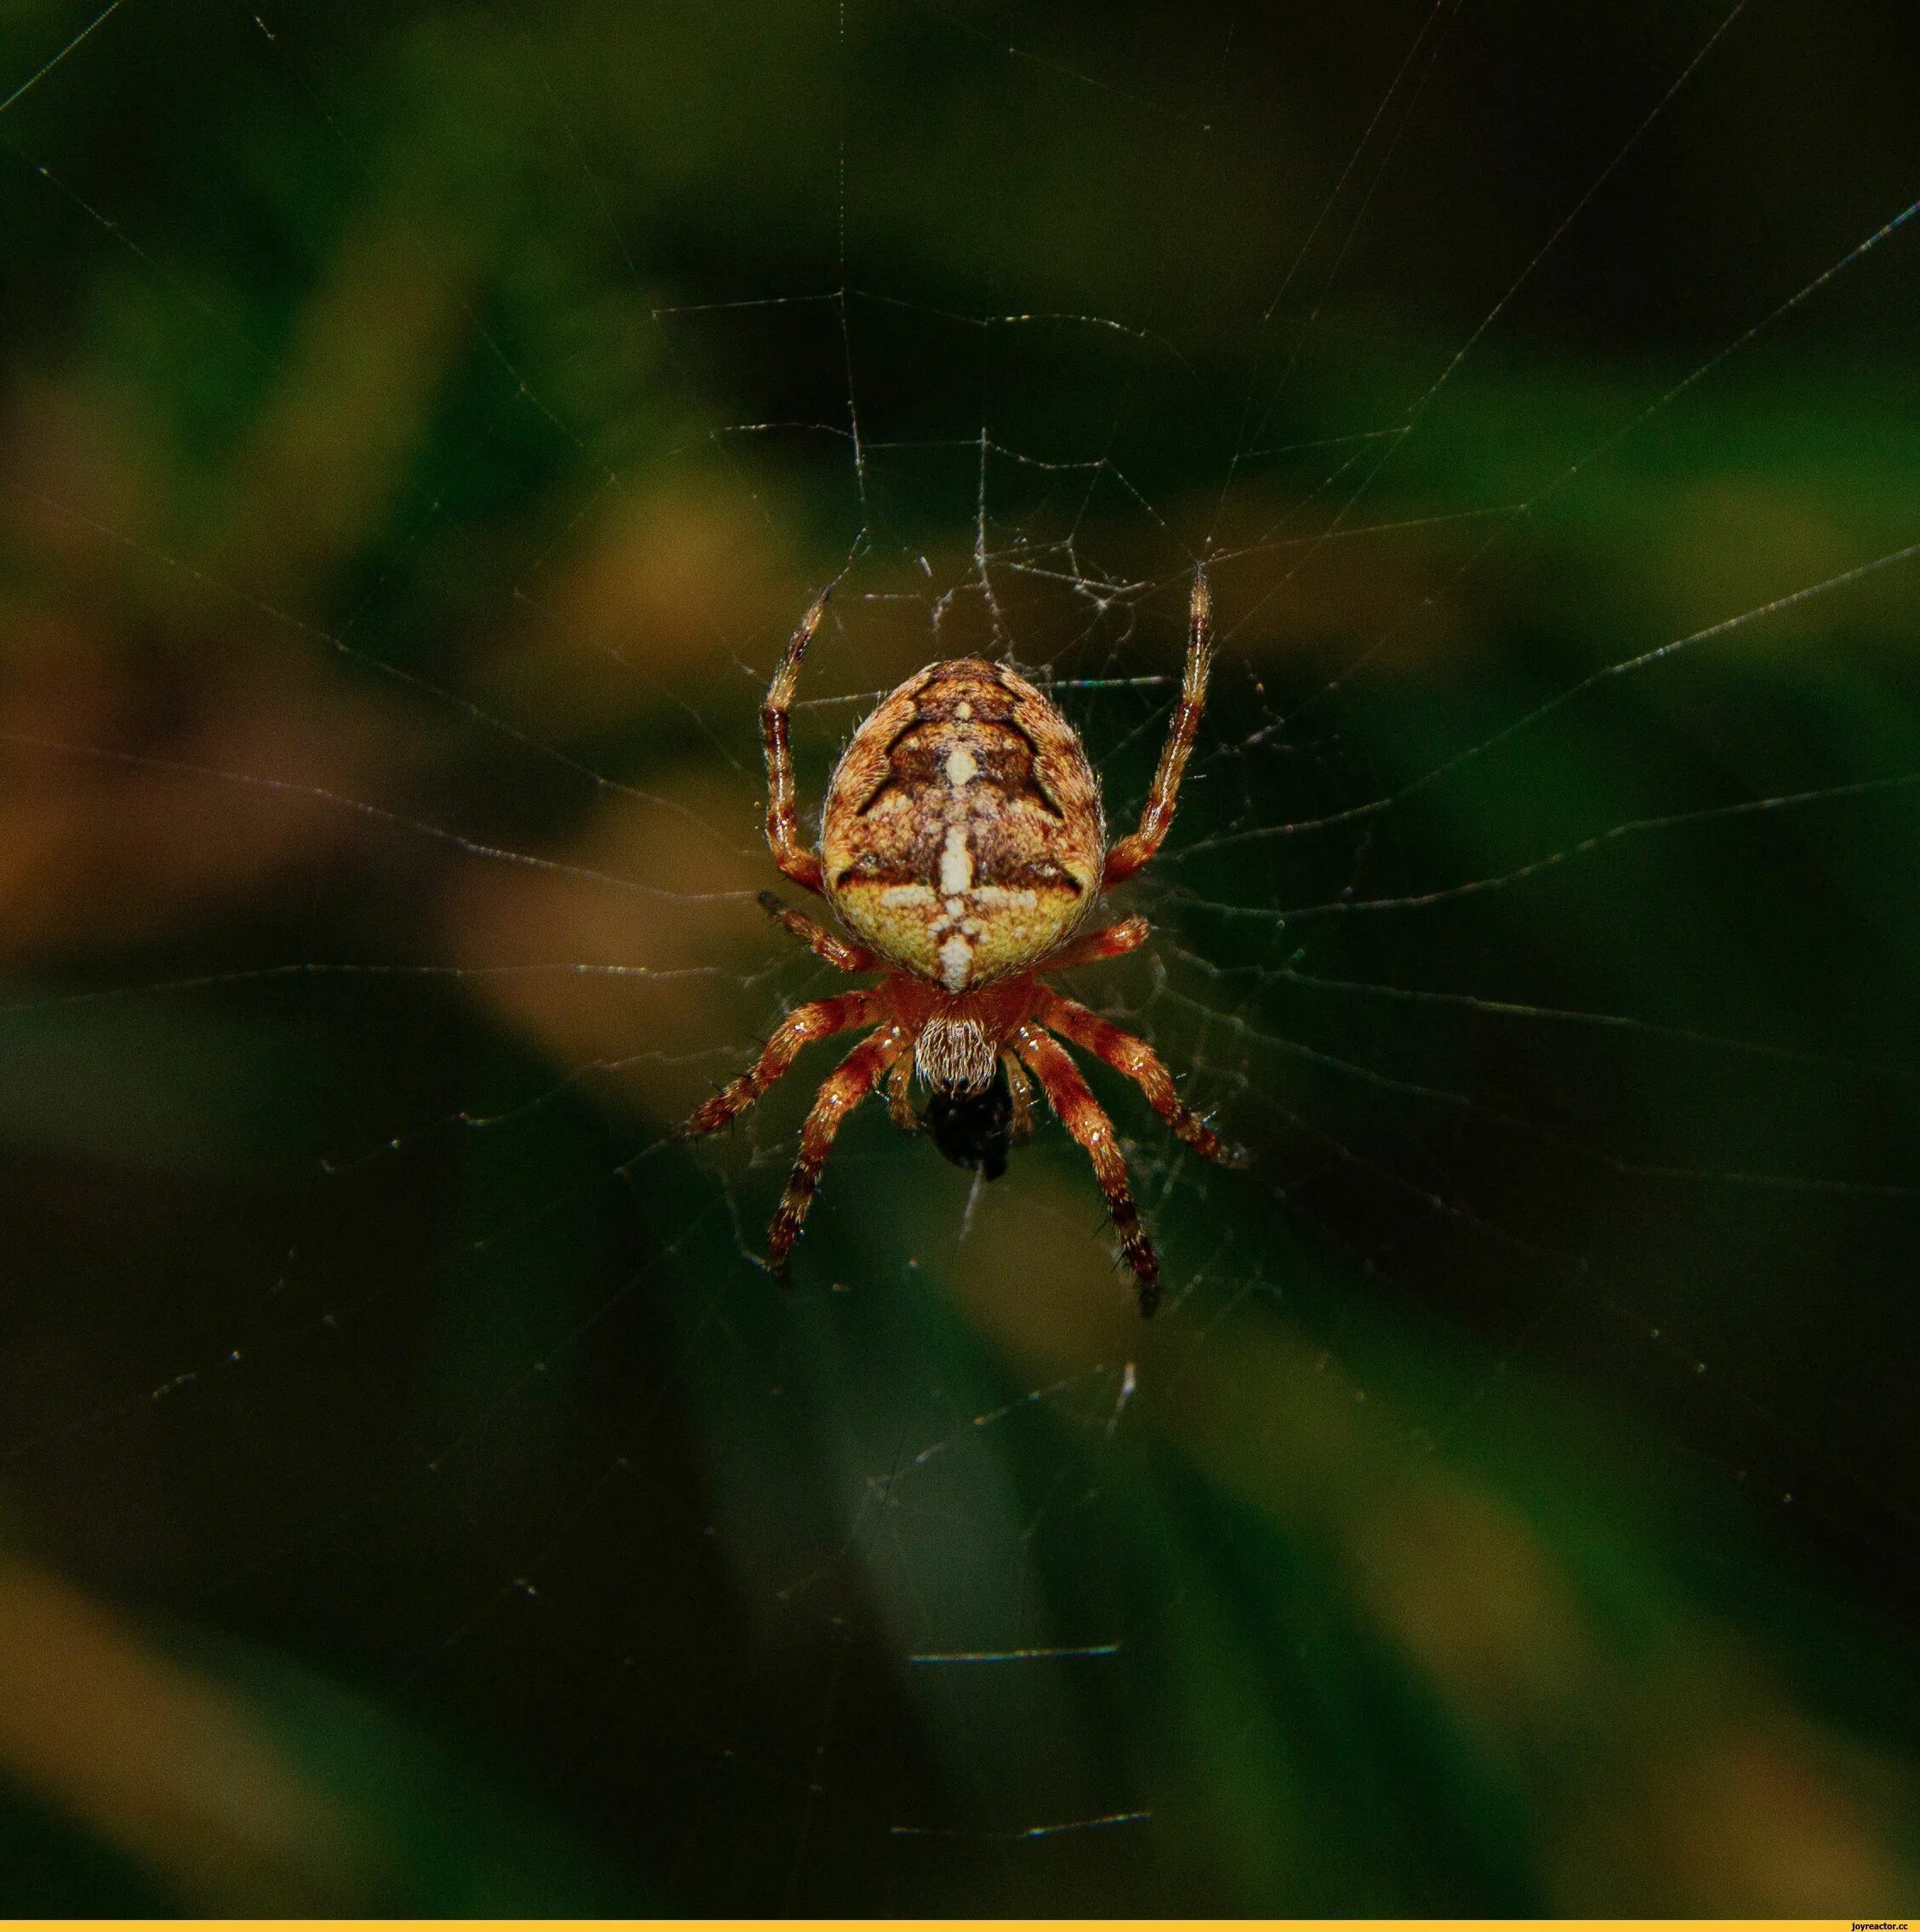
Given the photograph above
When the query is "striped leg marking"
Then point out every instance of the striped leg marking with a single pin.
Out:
(815, 1021)
(849, 1084)
(782, 821)
(1138, 847)
(1128, 1054)
(1072, 1099)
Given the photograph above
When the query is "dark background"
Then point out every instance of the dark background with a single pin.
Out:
(423, 425)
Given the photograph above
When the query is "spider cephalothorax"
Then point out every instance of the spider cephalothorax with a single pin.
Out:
(962, 843)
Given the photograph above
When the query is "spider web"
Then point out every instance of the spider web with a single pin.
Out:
(423, 433)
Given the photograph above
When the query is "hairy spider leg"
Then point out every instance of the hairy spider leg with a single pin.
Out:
(817, 1020)
(1107, 944)
(1081, 1114)
(1022, 1088)
(836, 951)
(1134, 851)
(790, 852)
(900, 1097)
(1126, 1053)
(849, 1084)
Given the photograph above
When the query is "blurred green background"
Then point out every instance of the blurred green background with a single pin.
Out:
(423, 425)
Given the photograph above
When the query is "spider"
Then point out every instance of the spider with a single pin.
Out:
(962, 844)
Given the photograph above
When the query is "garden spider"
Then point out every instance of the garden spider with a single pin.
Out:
(962, 844)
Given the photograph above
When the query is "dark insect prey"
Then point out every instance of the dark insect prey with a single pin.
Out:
(974, 1130)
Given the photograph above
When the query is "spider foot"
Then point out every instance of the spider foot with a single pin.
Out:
(1195, 1133)
(1139, 1255)
(709, 1117)
(786, 1227)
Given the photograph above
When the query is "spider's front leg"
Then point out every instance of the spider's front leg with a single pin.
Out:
(815, 1021)
(1134, 851)
(790, 852)
(849, 1084)
(1108, 942)
(1081, 1114)
(833, 949)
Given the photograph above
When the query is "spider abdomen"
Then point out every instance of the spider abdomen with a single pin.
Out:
(962, 837)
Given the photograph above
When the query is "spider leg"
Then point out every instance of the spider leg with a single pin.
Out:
(814, 1021)
(1134, 851)
(1022, 1089)
(1081, 1114)
(849, 1084)
(1126, 1053)
(833, 949)
(1107, 944)
(899, 1097)
(783, 825)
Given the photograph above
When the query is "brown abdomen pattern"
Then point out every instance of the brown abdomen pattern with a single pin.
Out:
(962, 837)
